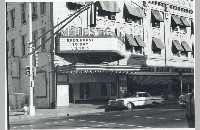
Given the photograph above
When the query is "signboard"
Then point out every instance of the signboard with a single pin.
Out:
(78, 44)
(169, 69)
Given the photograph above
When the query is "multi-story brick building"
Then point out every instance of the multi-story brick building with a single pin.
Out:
(109, 49)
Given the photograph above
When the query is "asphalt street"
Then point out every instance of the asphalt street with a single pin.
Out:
(137, 118)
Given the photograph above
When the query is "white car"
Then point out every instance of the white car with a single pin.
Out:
(137, 99)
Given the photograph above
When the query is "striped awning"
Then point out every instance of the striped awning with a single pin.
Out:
(176, 20)
(139, 40)
(158, 43)
(131, 40)
(110, 6)
(186, 46)
(177, 45)
(157, 16)
(185, 22)
(135, 11)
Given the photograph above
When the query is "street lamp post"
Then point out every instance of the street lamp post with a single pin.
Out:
(31, 81)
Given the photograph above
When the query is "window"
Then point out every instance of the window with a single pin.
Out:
(7, 27)
(73, 6)
(137, 21)
(155, 49)
(184, 53)
(13, 47)
(23, 13)
(7, 46)
(35, 35)
(23, 45)
(43, 30)
(175, 51)
(156, 24)
(138, 49)
(192, 51)
(12, 15)
(103, 89)
(42, 8)
(34, 10)
(113, 89)
(183, 29)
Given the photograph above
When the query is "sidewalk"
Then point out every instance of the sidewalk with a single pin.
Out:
(75, 109)
(72, 110)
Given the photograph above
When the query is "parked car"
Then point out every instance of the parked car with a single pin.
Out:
(136, 99)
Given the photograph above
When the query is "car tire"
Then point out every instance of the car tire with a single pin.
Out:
(130, 106)
(154, 104)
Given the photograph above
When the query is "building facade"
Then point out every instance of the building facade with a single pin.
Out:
(108, 49)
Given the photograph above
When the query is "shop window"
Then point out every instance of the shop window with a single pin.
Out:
(23, 13)
(155, 49)
(23, 45)
(13, 47)
(43, 30)
(34, 11)
(113, 89)
(12, 15)
(103, 89)
(43, 8)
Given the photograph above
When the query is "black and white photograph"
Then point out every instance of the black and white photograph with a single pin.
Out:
(100, 64)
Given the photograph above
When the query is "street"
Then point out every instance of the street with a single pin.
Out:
(137, 118)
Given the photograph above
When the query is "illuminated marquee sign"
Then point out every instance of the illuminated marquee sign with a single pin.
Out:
(88, 43)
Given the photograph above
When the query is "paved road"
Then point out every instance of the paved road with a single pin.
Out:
(137, 118)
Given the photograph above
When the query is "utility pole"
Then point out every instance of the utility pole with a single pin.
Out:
(31, 83)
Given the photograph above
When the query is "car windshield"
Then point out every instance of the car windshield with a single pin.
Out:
(130, 95)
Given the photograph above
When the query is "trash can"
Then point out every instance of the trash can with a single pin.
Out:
(190, 110)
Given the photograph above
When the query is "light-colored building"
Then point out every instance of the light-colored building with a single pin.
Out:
(111, 48)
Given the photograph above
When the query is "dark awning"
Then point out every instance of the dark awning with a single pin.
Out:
(135, 11)
(158, 43)
(185, 22)
(110, 6)
(157, 16)
(177, 20)
(79, 3)
(177, 45)
(131, 40)
(186, 46)
(139, 40)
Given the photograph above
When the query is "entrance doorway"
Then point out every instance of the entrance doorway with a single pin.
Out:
(84, 91)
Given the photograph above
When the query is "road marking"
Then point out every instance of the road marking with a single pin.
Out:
(71, 119)
(149, 117)
(38, 124)
(85, 127)
(30, 125)
(140, 126)
(93, 121)
(121, 124)
(99, 125)
(106, 124)
(118, 115)
(130, 125)
(102, 122)
(112, 123)
(136, 116)
(148, 127)
(82, 120)
(14, 127)
(177, 119)
(63, 121)
(56, 122)
(162, 118)
(57, 118)
(47, 123)
(22, 126)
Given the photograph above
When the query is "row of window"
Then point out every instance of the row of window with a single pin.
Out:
(24, 44)
(24, 13)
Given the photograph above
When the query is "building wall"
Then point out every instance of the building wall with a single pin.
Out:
(21, 82)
